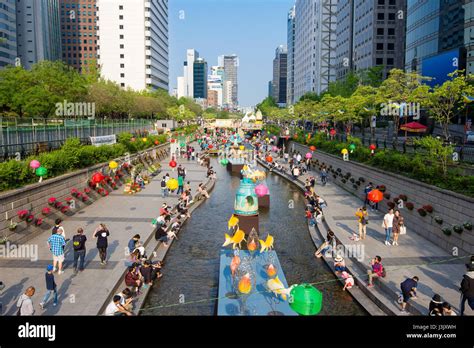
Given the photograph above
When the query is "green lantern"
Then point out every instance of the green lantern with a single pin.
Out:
(224, 161)
(41, 171)
(352, 147)
(305, 299)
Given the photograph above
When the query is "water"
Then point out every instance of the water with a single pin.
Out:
(192, 265)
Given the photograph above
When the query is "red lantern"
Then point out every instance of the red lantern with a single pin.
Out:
(224, 141)
(157, 142)
(97, 178)
(211, 146)
(372, 147)
(269, 159)
(312, 148)
(172, 164)
(172, 140)
(332, 132)
(375, 196)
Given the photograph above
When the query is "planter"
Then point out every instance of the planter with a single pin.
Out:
(357, 183)
(52, 201)
(428, 208)
(75, 192)
(410, 206)
(355, 187)
(386, 195)
(343, 181)
(22, 214)
(422, 212)
(338, 170)
(87, 190)
(458, 229)
(352, 180)
(438, 220)
(467, 226)
(30, 218)
(11, 227)
(391, 205)
(403, 198)
(46, 211)
(446, 231)
(361, 179)
(64, 209)
(334, 176)
(58, 205)
(38, 221)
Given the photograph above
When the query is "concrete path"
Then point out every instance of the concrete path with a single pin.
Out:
(439, 272)
(86, 292)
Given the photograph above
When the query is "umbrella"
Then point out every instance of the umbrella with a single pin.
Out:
(414, 127)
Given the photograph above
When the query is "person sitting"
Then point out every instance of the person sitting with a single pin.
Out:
(116, 309)
(165, 209)
(435, 307)
(181, 209)
(149, 273)
(202, 190)
(339, 264)
(348, 280)
(133, 279)
(126, 299)
(161, 235)
(377, 270)
(447, 310)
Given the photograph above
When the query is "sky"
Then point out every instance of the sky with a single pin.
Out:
(252, 29)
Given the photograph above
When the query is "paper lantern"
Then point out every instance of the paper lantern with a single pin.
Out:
(245, 284)
(344, 151)
(211, 146)
(375, 196)
(97, 177)
(306, 299)
(144, 140)
(261, 190)
(352, 147)
(224, 161)
(113, 164)
(269, 159)
(372, 147)
(242, 148)
(172, 140)
(308, 155)
(157, 142)
(172, 163)
(172, 184)
(275, 149)
(271, 270)
(332, 132)
(34, 164)
(41, 171)
(312, 148)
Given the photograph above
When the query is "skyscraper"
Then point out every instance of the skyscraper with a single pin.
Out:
(280, 75)
(315, 45)
(133, 41)
(469, 34)
(344, 33)
(8, 43)
(79, 33)
(230, 64)
(38, 31)
(200, 79)
(290, 90)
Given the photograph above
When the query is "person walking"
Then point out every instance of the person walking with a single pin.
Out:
(388, 225)
(79, 246)
(467, 287)
(408, 287)
(377, 270)
(25, 303)
(164, 189)
(101, 233)
(398, 225)
(59, 228)
(51, 288)
(180, 185)
(324, 176)
(56, 244)
(367, 190)
(363, 220)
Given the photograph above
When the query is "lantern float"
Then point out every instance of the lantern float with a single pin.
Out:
(344, 151)
(306, 299)
(312, 148)
(245, 285)
(277, 287)
(172, 184)
(271, 270)
(97, 178)
(172, 163)
(269, 159)
(352, 147)
(113, 165)
(372, 148)
(261, 190)
(267, 244)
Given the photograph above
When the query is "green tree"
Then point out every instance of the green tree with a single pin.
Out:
(437, 150)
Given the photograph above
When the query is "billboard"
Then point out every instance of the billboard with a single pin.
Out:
(439, 66)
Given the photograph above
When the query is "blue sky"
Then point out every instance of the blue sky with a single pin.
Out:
(252, 29)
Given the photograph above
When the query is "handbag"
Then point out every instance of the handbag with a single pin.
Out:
(19, 308)
(403, 230)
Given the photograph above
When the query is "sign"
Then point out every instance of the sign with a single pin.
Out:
(373, 122)
(104, 140)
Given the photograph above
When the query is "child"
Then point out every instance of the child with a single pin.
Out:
(339, 264)
(349, 280)
(50, 287)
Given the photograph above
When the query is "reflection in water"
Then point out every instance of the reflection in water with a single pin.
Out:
(192, 265)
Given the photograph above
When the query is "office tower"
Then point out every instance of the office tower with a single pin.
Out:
(200, 79)
(38, 31)
(181, 89)
(215, 83)
(270, 89)
(280, 75)
(79, 33)
(8, 43)
(469, 34)
(315, 45)
(230, 64)
(290, 90)
(344, 46)
(191, 56)
(133, 42)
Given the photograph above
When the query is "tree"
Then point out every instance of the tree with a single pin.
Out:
(445, 99)
(371, 76)
(437, 149)
(266, 106)
(344, 88)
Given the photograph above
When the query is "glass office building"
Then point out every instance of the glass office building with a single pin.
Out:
(8, 48)
(200, 79)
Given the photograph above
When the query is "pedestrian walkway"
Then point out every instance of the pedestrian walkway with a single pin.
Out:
(86, 292)
(439, 272)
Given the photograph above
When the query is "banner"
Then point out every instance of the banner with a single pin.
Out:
(103, 140)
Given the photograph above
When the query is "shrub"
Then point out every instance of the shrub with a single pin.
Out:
(391, 205)
(403, 198)
(446, 231)
(428, 208)
(458, 229)
(382, 188)
(438, 220)
(467, 225)
(421, 211)
(361, 179)
(386, 195)
(355, 187)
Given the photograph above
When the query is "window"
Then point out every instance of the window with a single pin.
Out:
(122, 56)
(389, 61)
(380, 31)
(379, 61)
(122, 66)
(121, 36)
(391, 31)
(381, 2)
(122, 75)
(379, 46)
(380, 16)
(122, 84)
(390, 46)
(122, 46)
(120, 7)
(120, 17)
(120, 26)
(391, 16)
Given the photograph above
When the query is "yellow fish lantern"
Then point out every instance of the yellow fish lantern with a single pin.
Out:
(172, 184)
(237, 238)
(245, 284)
(267, 244)
(233, 221)
(271, 270)
(276, 286)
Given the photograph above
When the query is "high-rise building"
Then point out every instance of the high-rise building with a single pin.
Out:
(181, 89)
(433, 27)
(38, 31)
(133, 42)
(212, 99)
(270, 89)
(79, 33)
(290, 89)
(230, 64)
(344, 33)
(215, 83)
(469, 34)
(280, 75)
(8, 43)
(315, 45)
(188, 72)
(200, 78)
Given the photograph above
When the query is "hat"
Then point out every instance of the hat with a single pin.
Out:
(436, 299)
(470, 265)
(49, 268)
(338, 258)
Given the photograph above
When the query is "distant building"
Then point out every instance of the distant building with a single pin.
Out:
(270, 89)
(290, 89)
(280, 75)
(231, 87)
(8, 41)
(200, 79)
(215, 83)
(212, 99)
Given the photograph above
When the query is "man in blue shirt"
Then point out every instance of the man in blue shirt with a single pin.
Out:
(408, 287)
(56, 244)
(50, 287)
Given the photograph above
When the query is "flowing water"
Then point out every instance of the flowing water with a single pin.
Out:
(190, 282)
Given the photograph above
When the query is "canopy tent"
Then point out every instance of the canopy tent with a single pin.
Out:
(414, 127)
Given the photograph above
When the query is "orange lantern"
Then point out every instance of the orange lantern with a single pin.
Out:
(157, 142)
(269, 159)
(375, 196)
(312, 148)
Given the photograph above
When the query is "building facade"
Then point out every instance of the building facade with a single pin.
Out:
(212, 99)
(79, 33)
(133, 42)
(344, 46)
(200, 79)
(280, 75)
(469, 34)
(38, 31)
(8, 41)
(215, 83)
(231, 87)
(290, 89)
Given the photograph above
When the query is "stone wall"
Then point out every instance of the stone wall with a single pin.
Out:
(453, 208)
(35, 197)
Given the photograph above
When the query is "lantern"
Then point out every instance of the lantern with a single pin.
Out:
(344, 151)
(372, 147)
(312, 148)
(269, 159)
(182, 144)
(352, 147)
(306, 299)
(211, 146)
(275, 149)
(34, 164)
(224, 161)
(97, 177)
(261, 190)
(375, 196)
(132, 140)
(157, 142)
(144, 140)
(172, 163)
(308, 155)
(41, 171)
(172, 184)
(271, 270)
(242, 147)
(245, 284)
(332, 132)
(113, 164)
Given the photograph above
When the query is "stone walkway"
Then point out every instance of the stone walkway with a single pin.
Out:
(438, 271)
(86, 292)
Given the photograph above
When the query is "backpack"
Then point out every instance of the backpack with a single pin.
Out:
(163, 183)
(54, 230)
(383, 273)
(77, 242)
